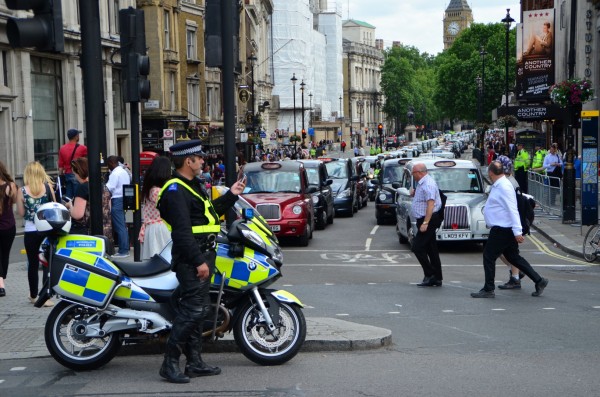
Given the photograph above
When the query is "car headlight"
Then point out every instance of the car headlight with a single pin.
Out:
(315, 199)
(254, 237)
(345, 193)
(297, 209)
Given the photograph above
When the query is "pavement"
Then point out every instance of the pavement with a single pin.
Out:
(22, 325)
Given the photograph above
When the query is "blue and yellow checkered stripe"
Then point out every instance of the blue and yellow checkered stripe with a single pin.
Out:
(79, 283)
(90, 259)
(133, 293)
(241, 272)
(90, 244)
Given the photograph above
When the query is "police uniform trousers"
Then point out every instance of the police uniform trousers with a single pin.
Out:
(191, 302)
(424, 246)
(502, 241)
(521, 178)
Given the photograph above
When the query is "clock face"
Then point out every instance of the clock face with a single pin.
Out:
(453, 28)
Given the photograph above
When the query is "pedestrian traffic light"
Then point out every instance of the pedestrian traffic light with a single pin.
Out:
(380, 129)
(135, 62)
(44, 31)
(303, 133)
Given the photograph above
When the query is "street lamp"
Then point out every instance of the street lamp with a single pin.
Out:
(252, 58)
(360, 104)
(294, 79)
(379, 104)
(482, 54)
(310, 112)
(479, 82)
(302, 85)
(507, 21)
(341, 120)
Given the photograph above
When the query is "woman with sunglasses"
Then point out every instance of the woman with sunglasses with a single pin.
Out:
(79, 207)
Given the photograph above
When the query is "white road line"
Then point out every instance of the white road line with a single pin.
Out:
(342, 314)
(398, 305)
(1, 380)
(548, 308)
(447, 311)
(18, 368)
(595, 307)
(374, 230)
(371, 283)
(368, 244)
(393, 312)
(498, 310)
(329, 284)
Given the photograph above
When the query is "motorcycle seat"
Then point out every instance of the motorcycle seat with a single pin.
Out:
(150, 267)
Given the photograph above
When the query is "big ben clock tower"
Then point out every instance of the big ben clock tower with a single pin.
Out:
(457, 17)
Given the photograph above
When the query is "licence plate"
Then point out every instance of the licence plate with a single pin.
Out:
(275, 228)
(456, 235)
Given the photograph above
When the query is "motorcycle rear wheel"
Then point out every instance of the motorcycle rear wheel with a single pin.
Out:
(259, 346)
(71, 350)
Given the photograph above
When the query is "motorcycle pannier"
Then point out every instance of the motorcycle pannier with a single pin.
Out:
(83, 277)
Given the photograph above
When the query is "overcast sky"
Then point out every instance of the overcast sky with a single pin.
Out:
(419, 23)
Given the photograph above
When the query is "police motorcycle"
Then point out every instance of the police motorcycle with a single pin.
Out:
(105, 304)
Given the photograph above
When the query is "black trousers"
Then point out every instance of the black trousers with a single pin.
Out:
(191, 302)
(6, 240)
(425, 248)
(32, 241)
(521, 177)
(502, 241)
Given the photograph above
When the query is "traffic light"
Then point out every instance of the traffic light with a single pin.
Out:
(380, 129)
(135, 62)
(44, 31)
(303, 133)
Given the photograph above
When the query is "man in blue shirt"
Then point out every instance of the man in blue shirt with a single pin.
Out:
(502, 216)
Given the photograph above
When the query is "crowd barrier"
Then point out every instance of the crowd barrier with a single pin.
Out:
(547, 192)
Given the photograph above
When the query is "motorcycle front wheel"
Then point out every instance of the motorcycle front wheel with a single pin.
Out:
(64, 339)
(260, 346)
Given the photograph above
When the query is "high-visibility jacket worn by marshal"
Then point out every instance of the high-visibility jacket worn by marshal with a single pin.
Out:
(185, 207)
(522, 161)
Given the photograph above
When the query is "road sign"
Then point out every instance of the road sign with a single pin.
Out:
(263, 134)
(168, 133)
(244, 95)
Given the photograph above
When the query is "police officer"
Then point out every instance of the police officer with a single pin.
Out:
(194, 224)
(522, 163)
(538, 160)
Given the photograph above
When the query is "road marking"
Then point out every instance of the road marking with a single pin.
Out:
(498, 310)
(548, 308)
(1, 380)
(288, 285)
(342, 314)
(447, 311)
(393, 312)
(542, 247)
(374, 230)
(371, 283)
(329, 284)
(368, 244)
(398, 305)
(595, 307)
(573, 281)
(18, 368)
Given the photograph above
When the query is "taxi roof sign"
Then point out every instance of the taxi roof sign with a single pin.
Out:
(446, 163)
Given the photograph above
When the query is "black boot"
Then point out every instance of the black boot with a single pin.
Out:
(170, 366)
(195, 366)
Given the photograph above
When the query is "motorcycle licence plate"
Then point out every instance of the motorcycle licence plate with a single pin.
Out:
(456, 235)
(275, 228)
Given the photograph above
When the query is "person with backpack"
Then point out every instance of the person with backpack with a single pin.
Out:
(506, 233)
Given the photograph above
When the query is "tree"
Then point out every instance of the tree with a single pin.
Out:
(457, 68)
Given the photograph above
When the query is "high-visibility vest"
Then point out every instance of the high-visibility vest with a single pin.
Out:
(213, 225)
(538, 159)
(522, 160)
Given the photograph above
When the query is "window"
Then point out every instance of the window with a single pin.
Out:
(192, 53)
(167, 27)
(119, 109)
(170, 94)
(48, 107)
(193, 105)
(113, 12)
(190, 1)
(5, 80)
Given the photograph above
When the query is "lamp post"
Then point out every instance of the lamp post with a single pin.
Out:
(310, 112)
(360, 104)
(294, 79)
(379, 103)
(302, 85)
(341, 120)
(482, 54)
(479, 83)
(252, 58)
(507, 21)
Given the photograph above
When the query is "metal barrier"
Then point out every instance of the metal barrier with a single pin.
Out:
(547, 192)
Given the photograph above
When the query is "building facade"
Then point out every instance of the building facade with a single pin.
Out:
(363, 99)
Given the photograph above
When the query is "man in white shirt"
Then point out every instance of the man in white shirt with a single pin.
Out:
(502, 216)
(117, 178)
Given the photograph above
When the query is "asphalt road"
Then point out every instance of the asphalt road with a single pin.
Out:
(444, 342)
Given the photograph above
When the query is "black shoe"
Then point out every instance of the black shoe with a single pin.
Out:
(511, 284)
(171, 373)
(483, 294)
(2, 292)
(204, 369)
(539, 287)
(430, 282)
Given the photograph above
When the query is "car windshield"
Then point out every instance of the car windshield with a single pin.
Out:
(392, 173)
(337, 169)
(272, 181)
(457, 180)
(313, 176)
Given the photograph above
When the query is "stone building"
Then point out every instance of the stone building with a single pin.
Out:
(457, 17)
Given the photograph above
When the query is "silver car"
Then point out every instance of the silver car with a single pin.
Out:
(462, 183)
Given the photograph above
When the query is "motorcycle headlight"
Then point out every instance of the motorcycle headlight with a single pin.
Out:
(383, 197)
(254, 237)
(315, 199)
(297, 209)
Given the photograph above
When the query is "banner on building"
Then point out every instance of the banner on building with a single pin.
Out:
(535, 55)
